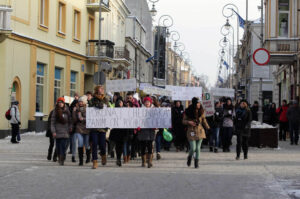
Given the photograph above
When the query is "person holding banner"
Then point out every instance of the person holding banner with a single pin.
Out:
(195, 119)
(98, 136)
(146, 138)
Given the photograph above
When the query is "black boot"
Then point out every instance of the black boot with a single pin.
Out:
(88, 156)
(119, 162)
(73, 159)
(61, 160)
(211, 149)
(55, 156)
(189, 161)
(245, 156)
(49, 156)
(80, 154)
(196, 163)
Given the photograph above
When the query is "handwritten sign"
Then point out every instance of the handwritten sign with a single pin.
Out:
(181, 93)
(208, 104)
(121, 85)
(222, 92)
(129, 118)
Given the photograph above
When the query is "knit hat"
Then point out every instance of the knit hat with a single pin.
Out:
(148, 99)
(60, 99)
(195, 101)
(83, 99)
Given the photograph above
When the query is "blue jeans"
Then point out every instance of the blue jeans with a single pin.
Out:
(98, 139)
(61, 144)
(214, 138)
(195, 146)
(158, 143)
(83, 140)
(226, 138)
(294, 132)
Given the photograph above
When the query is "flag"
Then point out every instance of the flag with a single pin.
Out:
(150, 58)
(226, 64)
(220, 79)
(241, 20)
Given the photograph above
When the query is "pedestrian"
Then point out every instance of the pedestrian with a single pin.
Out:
(215, 129)
(146, 138)
(194, 118)
(177, 126)
(98, 101)
(267, 114)
(274, 117)
(283, 120)
(227, 125)
(81, 132)
(293, 115)
(51, 140)
(61, 127)
(89, 96)
(254, 110)
(243, 121)
(15, 122)
(73, 105)
(128, 140)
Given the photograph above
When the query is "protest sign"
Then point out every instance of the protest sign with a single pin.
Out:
(222, 92)
(208, 104)
(181, 93)
(129, 118)
(121, 85)
(157, 91)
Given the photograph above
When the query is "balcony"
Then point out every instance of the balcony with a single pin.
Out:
(283, 50)
(93, 5)
(122, 55)
(5, 19)
(106, 50)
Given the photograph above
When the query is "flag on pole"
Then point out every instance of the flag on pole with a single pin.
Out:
(226, 64)
(241, 20)
(150, 58)
(220, 79)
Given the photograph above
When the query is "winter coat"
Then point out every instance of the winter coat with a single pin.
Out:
(79, 120)
(177, 117)
(49, 133)
(15, 115)
(229, 114)
(146, 135)
(118, 135)
(243, 119)
(195, 132)
(282, 111)
(62, 130)
(218, 117)
(293, 114)
(254, 110)
(99, 102)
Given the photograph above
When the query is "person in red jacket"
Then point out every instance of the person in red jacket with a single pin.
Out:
(283, 120)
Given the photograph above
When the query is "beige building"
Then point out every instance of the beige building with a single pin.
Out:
(48, 49)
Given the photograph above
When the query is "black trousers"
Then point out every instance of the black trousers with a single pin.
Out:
(146, 145)
(14, 132)
(283, 127)
(242, 143)
(51, 146)
(119, 149)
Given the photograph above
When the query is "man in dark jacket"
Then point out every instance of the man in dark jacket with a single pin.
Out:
(217, 120)
(243, 128)
(293, 115)
(254, 110)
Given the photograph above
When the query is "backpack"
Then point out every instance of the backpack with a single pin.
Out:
(7, 114)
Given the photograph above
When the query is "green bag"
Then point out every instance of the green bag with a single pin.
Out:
(167, 135)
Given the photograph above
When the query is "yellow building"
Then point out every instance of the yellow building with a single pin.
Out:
(51, 51)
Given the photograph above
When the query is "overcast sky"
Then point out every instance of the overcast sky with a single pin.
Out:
(199, 23)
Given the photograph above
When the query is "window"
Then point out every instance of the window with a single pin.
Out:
(40, 76)
(73, 83)
(44, 12)
(91, 30)
(283, 18)
(57, 84)
(77, 24)
(61, 23)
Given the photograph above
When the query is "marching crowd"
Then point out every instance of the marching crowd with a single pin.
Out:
(190, 128)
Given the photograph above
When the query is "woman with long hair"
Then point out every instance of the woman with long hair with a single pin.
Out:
(229, 114)
(194, 118)
(61, 127)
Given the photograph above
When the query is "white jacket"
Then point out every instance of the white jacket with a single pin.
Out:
(15, 115)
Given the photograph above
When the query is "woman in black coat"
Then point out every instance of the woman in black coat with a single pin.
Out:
(177, 126)
(243, 128)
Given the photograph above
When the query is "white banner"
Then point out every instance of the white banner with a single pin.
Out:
(129, 118)
(208, 104)
(157, 91)
(181, 93)
(222, 92)
(121, 85)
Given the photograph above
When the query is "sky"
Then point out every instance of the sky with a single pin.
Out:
(199, 23)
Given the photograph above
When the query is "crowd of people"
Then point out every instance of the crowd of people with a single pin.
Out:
(190, 128)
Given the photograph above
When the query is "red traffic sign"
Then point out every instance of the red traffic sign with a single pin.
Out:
(261, 56)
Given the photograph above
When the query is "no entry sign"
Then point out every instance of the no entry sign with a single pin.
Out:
(261, 56)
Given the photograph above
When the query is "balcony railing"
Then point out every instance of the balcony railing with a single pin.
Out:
(106, 49)
(122, 53)
(94, 5)
(283, 45)
(5, 19)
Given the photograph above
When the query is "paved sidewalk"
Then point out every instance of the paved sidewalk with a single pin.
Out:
(268, 174)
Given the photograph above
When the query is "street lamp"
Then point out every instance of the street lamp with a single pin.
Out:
(153, 11)
(227, 24)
